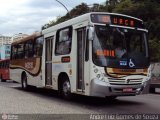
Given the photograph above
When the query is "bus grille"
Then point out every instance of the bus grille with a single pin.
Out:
(118, 81)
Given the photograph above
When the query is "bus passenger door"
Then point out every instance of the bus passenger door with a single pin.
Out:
(82, 74)
(48, 60)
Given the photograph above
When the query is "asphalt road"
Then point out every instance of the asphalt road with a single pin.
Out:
(14, 100)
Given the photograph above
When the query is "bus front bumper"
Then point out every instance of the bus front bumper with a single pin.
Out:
(103, 89)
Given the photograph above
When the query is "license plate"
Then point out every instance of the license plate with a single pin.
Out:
(127, 90)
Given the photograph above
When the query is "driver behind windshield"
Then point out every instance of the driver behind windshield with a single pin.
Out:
(118, 43)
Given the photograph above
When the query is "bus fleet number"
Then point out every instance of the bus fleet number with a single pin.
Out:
(29, 65)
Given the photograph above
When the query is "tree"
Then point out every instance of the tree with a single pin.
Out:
(78, 10)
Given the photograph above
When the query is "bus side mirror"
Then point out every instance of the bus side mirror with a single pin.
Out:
(90, 33)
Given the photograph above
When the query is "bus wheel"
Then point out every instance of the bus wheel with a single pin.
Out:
(24, 82)
(66, 89)
(2, 80)
(152, 90)
(111, 98)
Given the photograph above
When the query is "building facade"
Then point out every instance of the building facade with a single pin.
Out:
(5, 40)
(5, 51)
(5, 44)
(18, 36)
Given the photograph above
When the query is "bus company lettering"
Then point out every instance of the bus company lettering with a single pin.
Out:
(29, 65)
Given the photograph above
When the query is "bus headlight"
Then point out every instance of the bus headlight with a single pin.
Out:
(102, 79)
(96, 70)
(99, 74)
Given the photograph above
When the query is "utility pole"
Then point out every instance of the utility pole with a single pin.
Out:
(64, 7)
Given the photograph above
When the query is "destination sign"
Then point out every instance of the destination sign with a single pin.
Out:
(100, 18)
(126, 21)
(119, 20)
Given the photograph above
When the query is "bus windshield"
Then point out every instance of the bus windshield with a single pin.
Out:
(120, 47)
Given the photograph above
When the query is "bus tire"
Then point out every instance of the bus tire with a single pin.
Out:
(24, 82)
(2, 80)
(66, 89)
(152, 90)
(111, 98)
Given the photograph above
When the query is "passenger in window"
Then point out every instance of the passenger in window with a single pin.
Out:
(38, 51)
(35, 50)
(26, 54)
(68, 42)
(35, 53)
(119, 49)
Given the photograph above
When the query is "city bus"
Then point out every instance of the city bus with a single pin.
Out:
(96, 54)
(4, 70)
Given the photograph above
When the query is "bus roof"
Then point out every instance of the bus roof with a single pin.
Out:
(82, 18)
(72, 21)
(34, 35)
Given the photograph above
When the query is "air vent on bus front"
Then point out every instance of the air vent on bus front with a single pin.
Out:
(119, 81)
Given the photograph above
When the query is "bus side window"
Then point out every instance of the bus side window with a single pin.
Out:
(14, 52)
(63, 41)
(4, 64)
(20, 51)
(38, 46)
(7, 64)
(29, 49)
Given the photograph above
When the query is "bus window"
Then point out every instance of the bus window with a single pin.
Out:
(20, 48)
(4, 64)
(38, 46)
(63, 41)
(29, 49)
(7, 64)
(14, 52)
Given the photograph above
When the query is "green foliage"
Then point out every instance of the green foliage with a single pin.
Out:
(78, 10)
(154, 50)
(147, 10)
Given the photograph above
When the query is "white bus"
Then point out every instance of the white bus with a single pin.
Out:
(96, 54)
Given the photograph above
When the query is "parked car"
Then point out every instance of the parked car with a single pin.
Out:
(155, 79)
